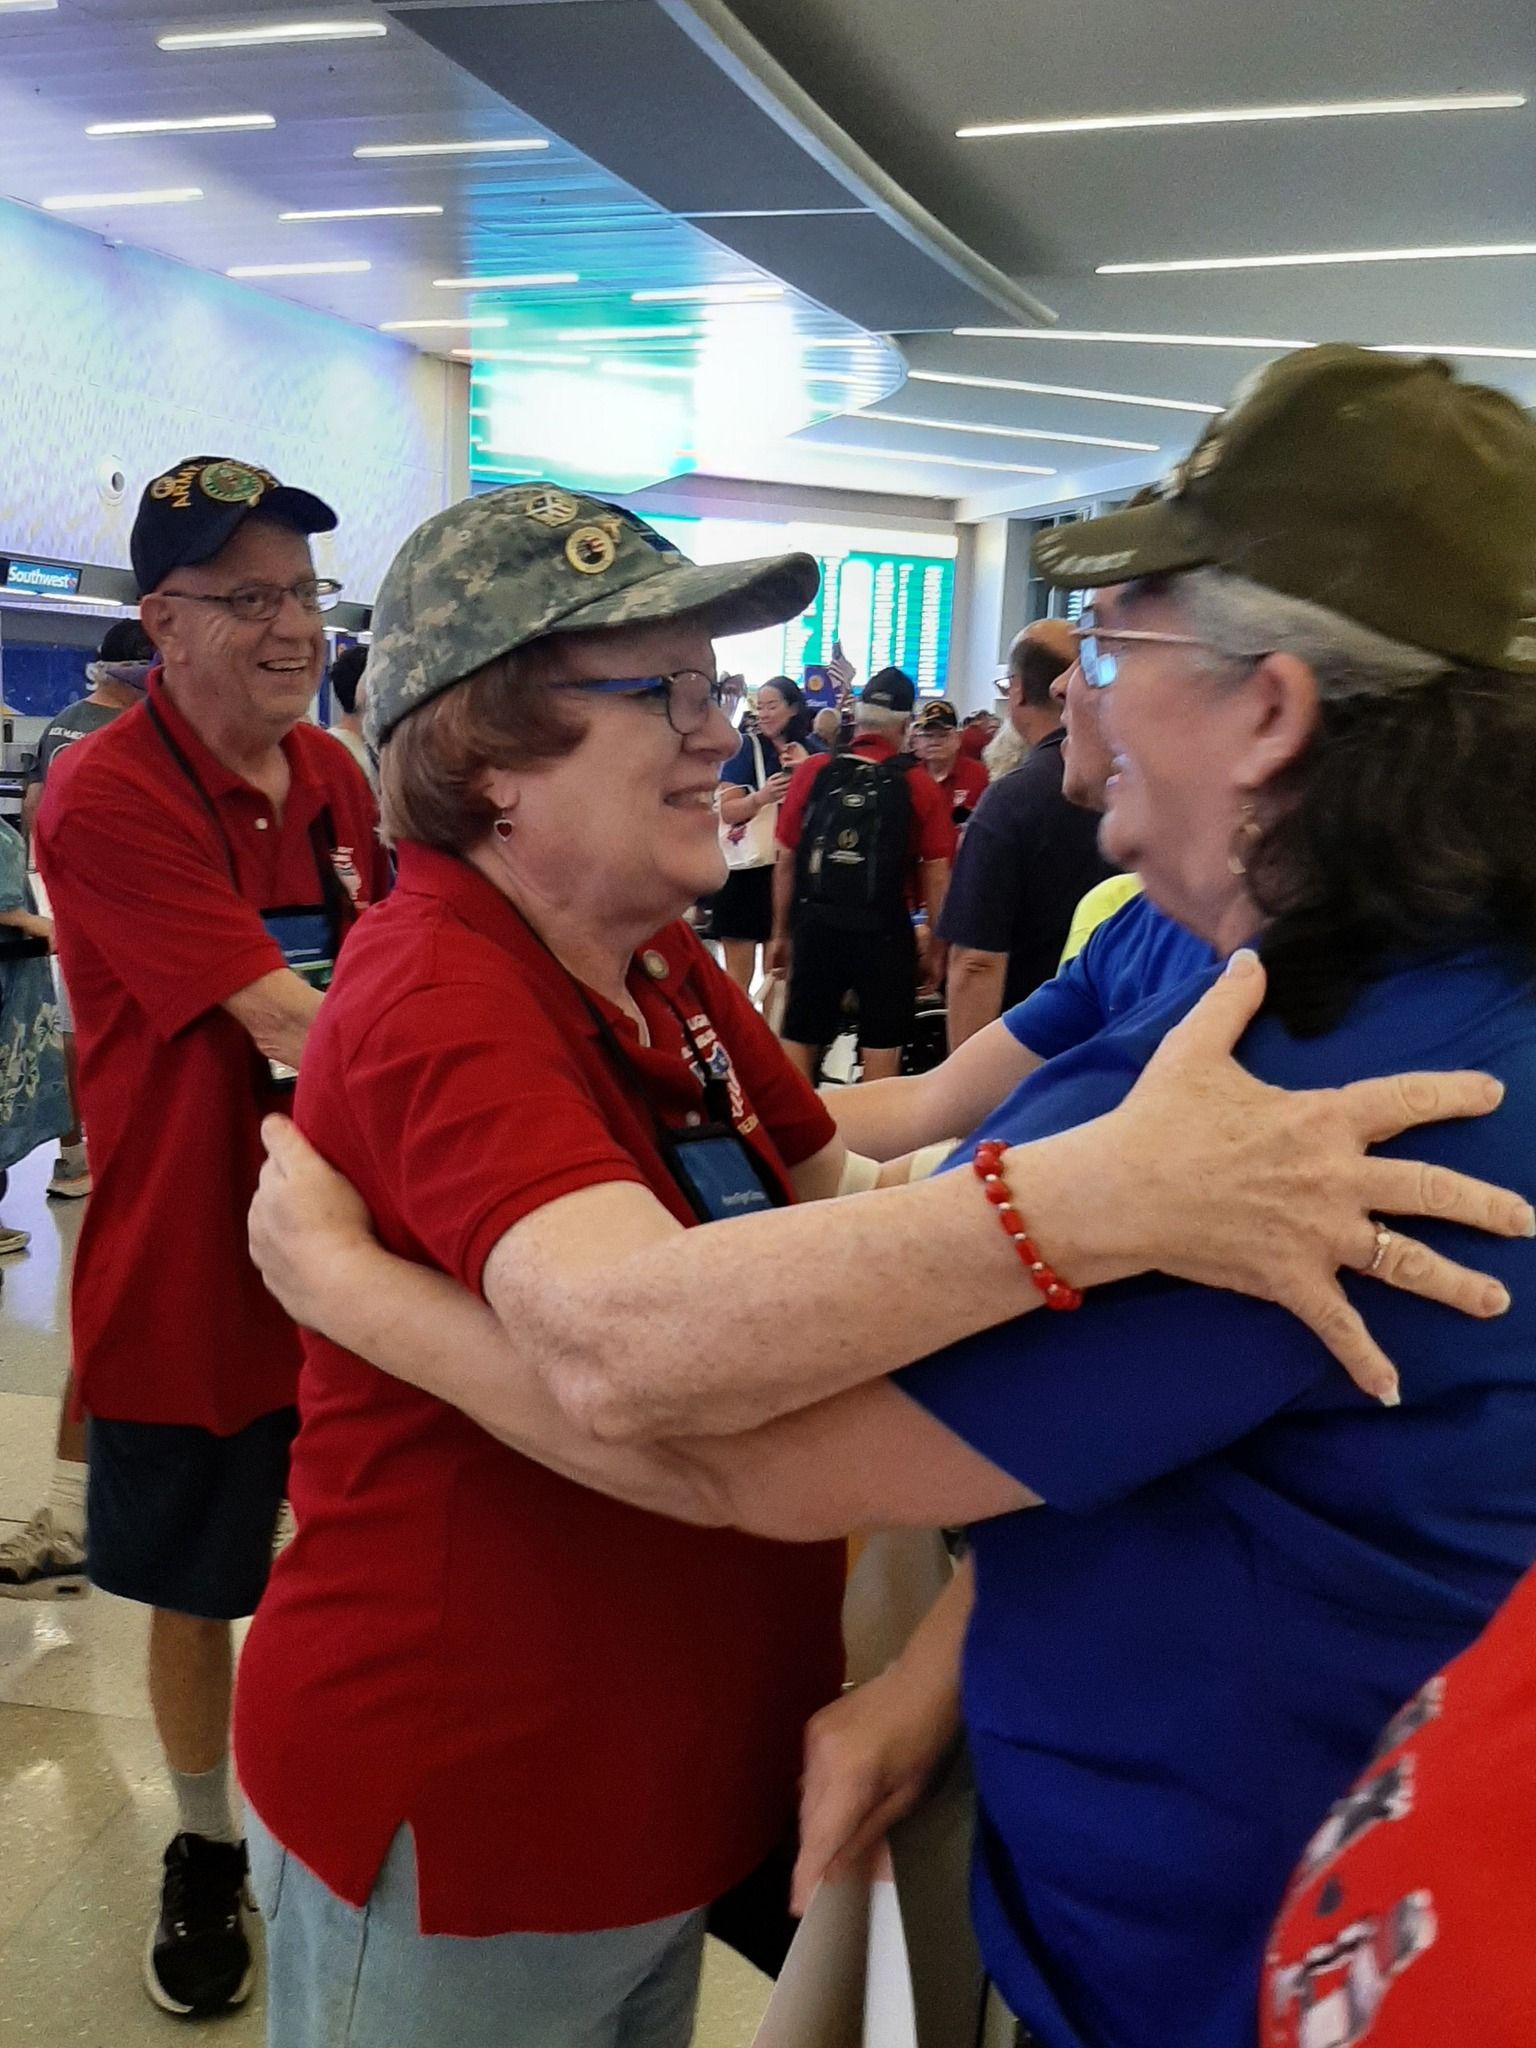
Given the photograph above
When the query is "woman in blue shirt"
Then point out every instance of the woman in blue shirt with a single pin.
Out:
(1207, 1568)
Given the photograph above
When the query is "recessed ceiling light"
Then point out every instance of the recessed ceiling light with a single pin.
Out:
(1059, 391)
(509, 281)
(345, 269)
(459, 326)
(504, 147)
(1108, 334)
(626, 333)
(97, 202)
(708, 295)
(907, 419)
(272, 32)
(200, 124)
(553, 357)
(361, 213)
(1216, 117)
(905, 455)
(1331, 256)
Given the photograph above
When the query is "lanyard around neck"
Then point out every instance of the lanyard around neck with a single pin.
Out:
(322, 837)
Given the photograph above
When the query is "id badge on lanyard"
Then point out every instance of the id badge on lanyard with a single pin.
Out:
(715, 1171)
(308, 935)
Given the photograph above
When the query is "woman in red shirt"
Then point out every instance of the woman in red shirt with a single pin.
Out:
(504, 1736)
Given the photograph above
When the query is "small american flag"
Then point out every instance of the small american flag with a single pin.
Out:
(842, 672)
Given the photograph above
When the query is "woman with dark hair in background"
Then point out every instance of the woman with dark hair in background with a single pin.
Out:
(752, 783)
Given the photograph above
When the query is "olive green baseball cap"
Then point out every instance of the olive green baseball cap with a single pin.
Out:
(493, 573)
(1382, 488)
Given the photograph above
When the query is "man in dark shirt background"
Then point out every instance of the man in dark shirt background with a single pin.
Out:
(1027, 860)
(117, 678)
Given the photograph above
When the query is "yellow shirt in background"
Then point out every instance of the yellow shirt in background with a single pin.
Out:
(1102, 901)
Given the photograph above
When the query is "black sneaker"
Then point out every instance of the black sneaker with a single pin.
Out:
(198, 1961)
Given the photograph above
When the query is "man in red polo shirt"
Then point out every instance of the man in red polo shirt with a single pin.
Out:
(205, 855)
(961, 777)
(856, 850)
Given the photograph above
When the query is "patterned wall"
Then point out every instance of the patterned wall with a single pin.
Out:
(113, 355)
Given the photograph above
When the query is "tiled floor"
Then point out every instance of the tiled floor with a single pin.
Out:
(84, 1808)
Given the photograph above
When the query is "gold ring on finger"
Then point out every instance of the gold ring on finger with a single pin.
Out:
(1383, 1239)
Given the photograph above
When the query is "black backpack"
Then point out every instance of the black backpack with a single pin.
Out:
(851, 864)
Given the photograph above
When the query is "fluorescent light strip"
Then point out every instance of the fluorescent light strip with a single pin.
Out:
(1383, 348)
(1452, 348)
(1059, 391)
(349, 268)
(1217, 117)
(362, 213)
(29, 6)
(272, 32)
(458, 326)
(905, 455)
(1106, 334)
(772, 213)
(505, 147)
(708, 295)
(552, 357)
(510, 282)
(201, 124)
(1328, 257)
(94, 202)
(627, 334)
(907, 419)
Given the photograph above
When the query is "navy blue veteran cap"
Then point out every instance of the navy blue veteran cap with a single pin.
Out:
(493, 573)
(187, 515)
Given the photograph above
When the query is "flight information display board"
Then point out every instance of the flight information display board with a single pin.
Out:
(887, 609)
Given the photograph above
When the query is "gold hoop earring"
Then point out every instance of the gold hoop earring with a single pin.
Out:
(1245, 838)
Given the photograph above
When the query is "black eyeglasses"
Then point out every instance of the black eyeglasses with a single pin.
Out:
(257, 603)
(687, 696)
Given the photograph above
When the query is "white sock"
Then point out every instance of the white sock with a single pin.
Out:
(203, 1804)
(72, 1161)
(66, 1497)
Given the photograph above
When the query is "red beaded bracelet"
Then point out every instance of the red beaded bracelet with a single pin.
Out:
(988, 1168)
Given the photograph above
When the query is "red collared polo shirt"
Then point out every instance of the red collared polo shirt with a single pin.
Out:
(588, 1715)
(142, 853)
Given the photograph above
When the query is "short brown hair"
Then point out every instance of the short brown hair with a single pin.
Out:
(433, 765)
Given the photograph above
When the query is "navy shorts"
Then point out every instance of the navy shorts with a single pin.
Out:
(181, 1519)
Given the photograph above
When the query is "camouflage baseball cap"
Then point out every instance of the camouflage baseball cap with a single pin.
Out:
(1380, 487)
(495, 572)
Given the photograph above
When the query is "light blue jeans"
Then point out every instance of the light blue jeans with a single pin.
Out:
(340, 1976)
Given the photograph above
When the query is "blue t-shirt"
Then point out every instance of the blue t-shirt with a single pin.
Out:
(1244, 1566)
(1138, 952)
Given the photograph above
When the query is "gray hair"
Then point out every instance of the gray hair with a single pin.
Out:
(1241, 619)
(884, 723)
